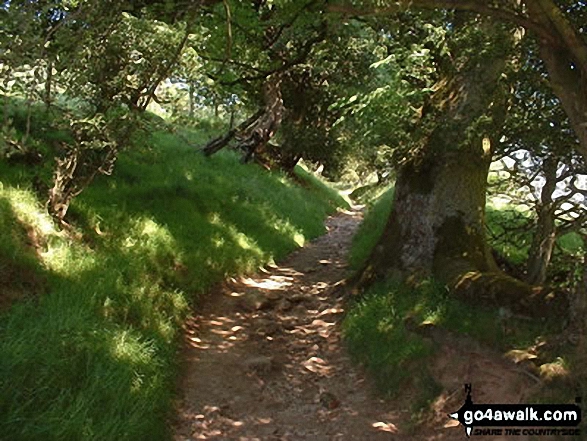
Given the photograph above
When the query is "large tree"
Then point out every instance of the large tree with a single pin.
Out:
(437, 223)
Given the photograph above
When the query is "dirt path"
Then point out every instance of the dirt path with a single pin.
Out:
(264, 361)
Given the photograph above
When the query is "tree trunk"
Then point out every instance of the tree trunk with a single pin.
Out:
(219, 143)
(267, 125)
(570, 86)
(48, 83)
(232, 118)
(192, 92)
(73, 173)
(579, 298)
(437, 225)
(256, 131)
(545, 234)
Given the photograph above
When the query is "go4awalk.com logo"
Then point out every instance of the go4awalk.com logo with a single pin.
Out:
(518, 419)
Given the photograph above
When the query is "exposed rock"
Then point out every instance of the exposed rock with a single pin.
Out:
(284, 305)
(260, 364)
(266, 327)
(254, 300)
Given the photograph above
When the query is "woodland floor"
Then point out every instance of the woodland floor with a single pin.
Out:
(264, 360)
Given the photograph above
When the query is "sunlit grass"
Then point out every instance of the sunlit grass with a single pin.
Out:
(379, 332)
(93, 356)
(28, 209)
(371, 228)
(377, 337)
(327, 192)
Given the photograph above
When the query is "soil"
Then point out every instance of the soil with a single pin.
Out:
(264, 360)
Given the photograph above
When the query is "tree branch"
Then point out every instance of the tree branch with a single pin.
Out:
(462, 5)
(300, 58)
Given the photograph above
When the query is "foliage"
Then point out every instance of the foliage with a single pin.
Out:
(105, 62)
(409, 50)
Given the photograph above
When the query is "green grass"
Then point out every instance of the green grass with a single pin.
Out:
(377, 338)
(321, 189)
(378, 333)
(371, 228)
(88, 352)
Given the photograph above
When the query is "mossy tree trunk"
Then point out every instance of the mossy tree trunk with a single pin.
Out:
(437, 224)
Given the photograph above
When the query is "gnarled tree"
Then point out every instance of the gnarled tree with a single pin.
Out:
(437, 224)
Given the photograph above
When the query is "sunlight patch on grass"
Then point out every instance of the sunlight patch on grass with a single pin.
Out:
(299, 239)
(57, 252)
(127, 348)
(377, 336)
(244, 242)
(285, 228)
(66, 259)
(29, 211)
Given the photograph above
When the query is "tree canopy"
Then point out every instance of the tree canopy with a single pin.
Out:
(372, 86)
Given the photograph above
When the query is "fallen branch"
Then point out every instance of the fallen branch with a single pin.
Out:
(219, 143)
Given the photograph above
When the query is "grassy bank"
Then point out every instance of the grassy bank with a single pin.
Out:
(375, 327)
(371, 228)
(89, 321)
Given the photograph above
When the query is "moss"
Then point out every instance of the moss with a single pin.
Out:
(460, 248)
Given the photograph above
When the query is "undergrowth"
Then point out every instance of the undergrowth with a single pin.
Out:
(88, 345)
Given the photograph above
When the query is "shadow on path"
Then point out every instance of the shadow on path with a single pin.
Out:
(264, 361)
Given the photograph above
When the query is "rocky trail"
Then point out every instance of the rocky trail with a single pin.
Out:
(264, 360)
